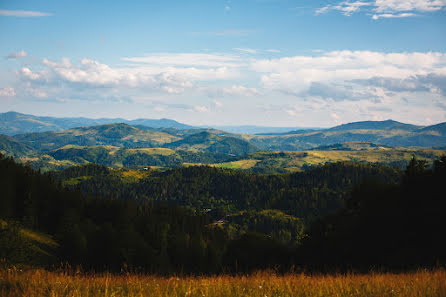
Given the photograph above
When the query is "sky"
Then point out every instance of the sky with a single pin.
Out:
(294, 63)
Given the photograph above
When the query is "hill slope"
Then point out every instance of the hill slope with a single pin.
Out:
(212, 143)
(12, 123)
(375, 125)
(121, 135)
(11, 147)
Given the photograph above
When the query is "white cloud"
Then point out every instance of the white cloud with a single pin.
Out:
(199, 108)
(246, 50)
(391, 6)
(17, 55)
(386, 8)
(236, 90)
(218, 103)
(335, 72)
(23, 13)
(188, 59)
(172, 79)
(390, 15)
(354, 85)
(272, 51)
(7, 92)
(347, 7)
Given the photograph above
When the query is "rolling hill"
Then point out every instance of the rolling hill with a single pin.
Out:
(213, 143)
(11, 147)
(375, 125)
(12, 123)
(121, 135)
(281, 162)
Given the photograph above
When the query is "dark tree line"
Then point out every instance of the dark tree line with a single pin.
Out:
(306, 195)
(358, 216)
(385, 225)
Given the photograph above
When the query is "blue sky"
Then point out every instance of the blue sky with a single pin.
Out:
(261, 62)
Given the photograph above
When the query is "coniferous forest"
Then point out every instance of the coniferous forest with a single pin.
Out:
(205, 220)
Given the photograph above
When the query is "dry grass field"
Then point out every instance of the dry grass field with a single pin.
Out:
(36, 282)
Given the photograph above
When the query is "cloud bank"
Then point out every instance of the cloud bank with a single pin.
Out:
(385, 8)
(324, 86)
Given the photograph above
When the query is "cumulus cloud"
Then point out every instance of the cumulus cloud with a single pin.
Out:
(392, 6)
(386, 8)
(7, 92)
(200, 108)
(346, 7)
(172, 78)
(433, 83)
(88, 79)
(337, 73)
(17, 55)
(237, 90)
(354, 84)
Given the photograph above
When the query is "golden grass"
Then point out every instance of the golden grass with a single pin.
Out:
(240, 164)
(135, 174)
(36, 283)
(153, 151)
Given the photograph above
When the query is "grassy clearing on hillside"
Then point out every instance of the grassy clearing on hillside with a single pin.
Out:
(153, 151)
(240, 164)
(38, 283)
(134, 175)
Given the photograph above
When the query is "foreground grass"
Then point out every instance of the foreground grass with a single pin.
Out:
(14, 282)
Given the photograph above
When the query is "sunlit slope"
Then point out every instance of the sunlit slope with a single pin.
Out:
(213, 143)
(118, 157)
(276, 162)
(121, 135)
(422, 138)
(23, 246)
(11, 147)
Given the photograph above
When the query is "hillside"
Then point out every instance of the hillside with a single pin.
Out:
(439, 128)
(136, 158)
(375, 125)
(12, 123)
(121, 135)
(280, 162)
(432, 136)
(11, 147)
(212, 143)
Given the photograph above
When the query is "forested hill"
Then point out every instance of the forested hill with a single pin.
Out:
(390, 224)
(306, 195)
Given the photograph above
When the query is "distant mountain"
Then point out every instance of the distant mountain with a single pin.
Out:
(161, 123)
(121, 135)
(250, 129)
(353, 146)
(213, 143)
(439, 128)
(11, 147)
(388, 133)
(376, 125)
(12, 123)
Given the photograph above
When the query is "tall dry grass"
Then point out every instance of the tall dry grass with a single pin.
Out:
(37, 282)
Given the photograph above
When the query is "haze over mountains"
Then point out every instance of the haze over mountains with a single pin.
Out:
(12, 123)
(167, 143)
